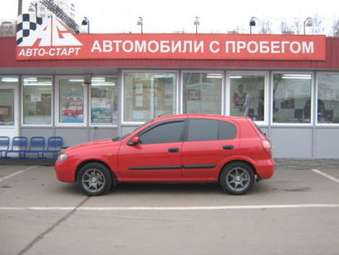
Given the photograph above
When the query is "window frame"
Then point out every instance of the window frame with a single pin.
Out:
(15, 86)
(149, 71)
(221, 72)
(266, 93)
(57, 102)
(316, 101)
(155, 125)
(22, 102)
(277, 124)
(90, 123)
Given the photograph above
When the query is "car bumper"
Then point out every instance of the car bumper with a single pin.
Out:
(65, 171)
(265, 168)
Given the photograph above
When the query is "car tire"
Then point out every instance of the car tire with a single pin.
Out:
(95, 179)
(237, 178)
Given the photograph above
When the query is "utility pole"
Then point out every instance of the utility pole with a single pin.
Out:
(19, 7)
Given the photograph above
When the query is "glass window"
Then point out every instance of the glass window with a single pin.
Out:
(202, 130)
(226, 130)
(248, 96)
(164, 133)
(71, 101)
(37, 100)
(202, 92)
(6, 107)
(328, 98)
(147, 95)
(104, 99)
(292, 98)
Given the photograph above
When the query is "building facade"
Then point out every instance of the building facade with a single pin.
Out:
(296, 103)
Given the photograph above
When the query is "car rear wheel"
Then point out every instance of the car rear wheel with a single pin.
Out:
(94, 179)
(237, 178)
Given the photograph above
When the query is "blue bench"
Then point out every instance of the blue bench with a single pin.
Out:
(4, 145)
(34, 149)
(19, 147)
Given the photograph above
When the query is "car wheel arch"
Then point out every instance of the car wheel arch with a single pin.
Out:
(83, 163)
(244, 161)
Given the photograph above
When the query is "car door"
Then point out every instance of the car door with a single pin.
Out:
(207, 144)
(158, 155)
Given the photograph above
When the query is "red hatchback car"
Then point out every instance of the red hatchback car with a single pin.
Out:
(228, 150)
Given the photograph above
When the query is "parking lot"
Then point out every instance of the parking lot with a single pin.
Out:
(296, 212)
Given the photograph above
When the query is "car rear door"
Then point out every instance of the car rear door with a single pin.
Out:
(207, 144)
(157, 157)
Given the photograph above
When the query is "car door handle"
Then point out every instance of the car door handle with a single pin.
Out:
(173, 150)
(228, 147)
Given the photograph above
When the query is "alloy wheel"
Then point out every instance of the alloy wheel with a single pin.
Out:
(93, 180)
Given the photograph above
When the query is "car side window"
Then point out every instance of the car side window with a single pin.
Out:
(227, 130)
(202, 130)
(169, 132)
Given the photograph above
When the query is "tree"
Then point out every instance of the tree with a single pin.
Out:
(298, 26)
(285, 28)
(317, 25)
(335, 28)
(266, 27)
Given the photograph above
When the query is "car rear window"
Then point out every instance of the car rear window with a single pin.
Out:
(202, 130)
(227, 130)
(207, 129)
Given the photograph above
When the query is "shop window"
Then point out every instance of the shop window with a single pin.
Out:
(202, 92)
(37, 100)
(6, 107)
(248, 96)
(104, 100)
(328, 98)
(147, 95)
(292, 98)
(72, 101)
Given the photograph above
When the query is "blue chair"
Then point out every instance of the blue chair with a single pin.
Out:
(4, 146)
(19, 147)
(37, 147)
(54, 145)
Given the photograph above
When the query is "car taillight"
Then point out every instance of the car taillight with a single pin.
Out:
(267, 146)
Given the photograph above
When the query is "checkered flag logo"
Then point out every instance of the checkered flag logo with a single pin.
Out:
(26, 24)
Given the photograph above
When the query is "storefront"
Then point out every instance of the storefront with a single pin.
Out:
(294, 101)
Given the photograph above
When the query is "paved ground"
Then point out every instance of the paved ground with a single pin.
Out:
(297, 212)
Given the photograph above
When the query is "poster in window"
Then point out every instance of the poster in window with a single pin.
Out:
(72, 105)
(101, 110)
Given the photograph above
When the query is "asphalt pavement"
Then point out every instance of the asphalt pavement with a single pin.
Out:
(296, 212)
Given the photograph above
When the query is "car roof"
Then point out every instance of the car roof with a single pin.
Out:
(198, 115)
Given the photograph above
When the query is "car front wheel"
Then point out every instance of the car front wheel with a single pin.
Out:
(94, 179)
(237, 178)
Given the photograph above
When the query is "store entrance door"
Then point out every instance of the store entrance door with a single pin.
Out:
(9, 110)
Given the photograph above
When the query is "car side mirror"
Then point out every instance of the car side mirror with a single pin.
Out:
(135, 140)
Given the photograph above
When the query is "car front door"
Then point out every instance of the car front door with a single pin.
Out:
(157, 157)
(208, 142)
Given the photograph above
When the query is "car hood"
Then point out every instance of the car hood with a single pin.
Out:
(93, 145)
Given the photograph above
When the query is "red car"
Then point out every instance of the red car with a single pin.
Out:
(228, 150)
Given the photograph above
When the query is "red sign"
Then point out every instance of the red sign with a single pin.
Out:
(54, 41)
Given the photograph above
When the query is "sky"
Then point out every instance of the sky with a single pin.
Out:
(216, 16)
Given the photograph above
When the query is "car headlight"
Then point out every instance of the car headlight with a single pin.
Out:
(62, 156)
